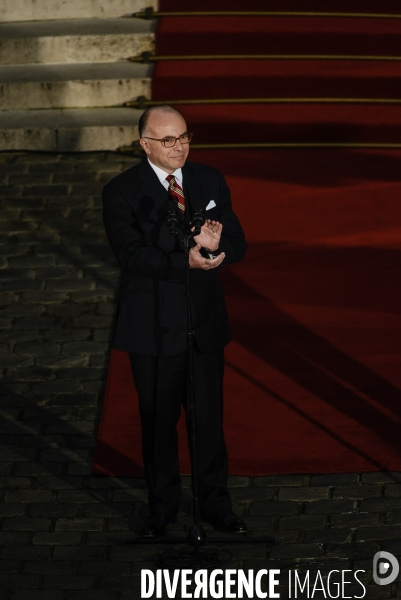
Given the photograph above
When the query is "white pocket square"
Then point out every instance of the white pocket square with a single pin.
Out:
(211, 204)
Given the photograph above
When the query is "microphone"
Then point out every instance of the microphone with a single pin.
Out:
(172, 219)
(198, 220)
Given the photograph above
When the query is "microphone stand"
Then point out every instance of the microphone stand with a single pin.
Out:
(196, 536)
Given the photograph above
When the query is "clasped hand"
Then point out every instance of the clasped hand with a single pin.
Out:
(209, 238)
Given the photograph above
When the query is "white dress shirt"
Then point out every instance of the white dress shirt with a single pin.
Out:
(162, 176)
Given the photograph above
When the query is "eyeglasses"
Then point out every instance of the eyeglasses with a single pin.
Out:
(170, 141)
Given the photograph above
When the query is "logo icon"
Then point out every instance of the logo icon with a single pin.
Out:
(385, 568)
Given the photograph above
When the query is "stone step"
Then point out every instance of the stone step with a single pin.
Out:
(34, 10)
(70, 130)
(74, 40)
(73, 85)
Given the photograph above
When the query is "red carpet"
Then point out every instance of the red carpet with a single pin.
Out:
(296, 123)
(278, 35)
(346, 6)
(276, 79)
(313, 380)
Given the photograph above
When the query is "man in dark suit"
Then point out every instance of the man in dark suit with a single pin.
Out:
(151, 320)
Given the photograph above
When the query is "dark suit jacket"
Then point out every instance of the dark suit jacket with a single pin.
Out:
(151, 315)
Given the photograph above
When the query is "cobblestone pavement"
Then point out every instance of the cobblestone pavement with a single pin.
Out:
(62, 531)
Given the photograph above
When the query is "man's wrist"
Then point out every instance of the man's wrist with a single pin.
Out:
(207, 253)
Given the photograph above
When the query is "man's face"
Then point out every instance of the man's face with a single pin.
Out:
(161, 125)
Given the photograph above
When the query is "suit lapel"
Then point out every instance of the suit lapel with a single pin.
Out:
(151, 187)
(194, 189)
(151, 207)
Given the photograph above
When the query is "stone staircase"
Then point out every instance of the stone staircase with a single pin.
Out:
(65, 74)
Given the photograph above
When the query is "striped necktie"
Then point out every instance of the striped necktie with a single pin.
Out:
(176, 192)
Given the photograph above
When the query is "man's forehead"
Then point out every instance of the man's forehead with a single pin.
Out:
(170, 123)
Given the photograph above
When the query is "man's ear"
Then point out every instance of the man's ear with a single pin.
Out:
(144, 145)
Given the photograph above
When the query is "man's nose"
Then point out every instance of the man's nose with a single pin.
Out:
(178, 144)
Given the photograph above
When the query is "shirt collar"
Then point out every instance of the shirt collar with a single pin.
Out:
(162, 174)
